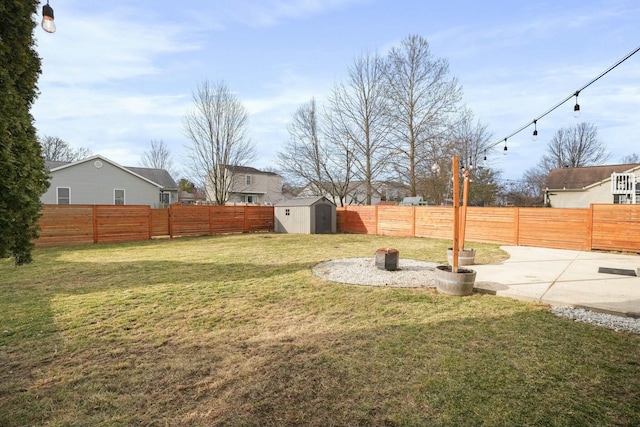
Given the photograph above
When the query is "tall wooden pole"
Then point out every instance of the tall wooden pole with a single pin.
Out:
(465, 198)
(456, 213)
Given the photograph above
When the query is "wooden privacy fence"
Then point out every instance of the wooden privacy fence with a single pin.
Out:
(84, 224)
(605, 227)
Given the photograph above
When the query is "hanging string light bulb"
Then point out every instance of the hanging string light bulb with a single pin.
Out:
(534, 137)
(576, 108)
(47, 19)
(505, 147)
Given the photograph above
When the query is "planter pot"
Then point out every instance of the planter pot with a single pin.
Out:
(465, 257)
(450, 283)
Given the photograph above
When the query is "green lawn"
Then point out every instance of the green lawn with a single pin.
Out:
(236, 331)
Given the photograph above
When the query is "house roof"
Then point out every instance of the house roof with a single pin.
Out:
(160, 176)
(248, 170)
(302, 201)
(157, 177)
(579, 178)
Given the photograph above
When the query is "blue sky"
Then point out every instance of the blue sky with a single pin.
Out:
(119, 74)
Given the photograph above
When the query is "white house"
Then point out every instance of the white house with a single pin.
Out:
(580, 187)
(250, 185)
(97, 180)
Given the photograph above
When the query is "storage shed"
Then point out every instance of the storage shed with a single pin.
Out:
(315, 215)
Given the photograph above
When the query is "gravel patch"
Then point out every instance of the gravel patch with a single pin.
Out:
(363, 271)
(617, 323)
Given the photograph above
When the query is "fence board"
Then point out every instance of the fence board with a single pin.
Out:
(616, 227)
(62, 225)
(189, 220)
(491, 225)
(226, 219)
(260, 218)
(433, 222)
(395, 221)
(122, 223)
(554, 228)
(159, 222)
(357, 219)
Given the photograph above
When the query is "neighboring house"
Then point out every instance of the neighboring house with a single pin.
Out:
(311, 215)
(580, 187)
(357, 192)
(251, 186)
(97, 180)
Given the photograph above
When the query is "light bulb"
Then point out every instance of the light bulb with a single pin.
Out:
(47, 19)
(534, 137)
(505, 147)
(576, 111)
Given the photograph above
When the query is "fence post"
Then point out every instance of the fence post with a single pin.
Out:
(589, 242)
(413, 221)
(170, 221)
(516, 225)
(95, 224)
(375, 217)
(245, 224)
(150, 221)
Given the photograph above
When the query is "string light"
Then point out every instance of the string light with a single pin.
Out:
(534, 137)
(47, 19)
(576, 108)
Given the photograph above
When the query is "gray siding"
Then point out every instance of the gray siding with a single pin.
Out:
(299, 219)
(92, 185)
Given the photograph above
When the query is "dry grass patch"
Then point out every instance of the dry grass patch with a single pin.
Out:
(235, 330)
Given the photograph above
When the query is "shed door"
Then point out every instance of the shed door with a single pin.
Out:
(323, 219)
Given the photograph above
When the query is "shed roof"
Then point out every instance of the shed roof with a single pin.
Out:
(303, 201)
(579, 178)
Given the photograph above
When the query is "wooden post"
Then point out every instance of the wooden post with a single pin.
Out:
(463, 219)
(456, 213)
(95, 224)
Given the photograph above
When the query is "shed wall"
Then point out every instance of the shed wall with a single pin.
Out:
(299, 219)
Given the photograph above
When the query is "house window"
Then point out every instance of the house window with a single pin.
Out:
(63, 195)
(287, 212)
(164, 199)
(118, 197)
(248, 180)
(249, 199)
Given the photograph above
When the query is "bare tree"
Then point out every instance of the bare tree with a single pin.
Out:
(217, 128)
(630, 159)
(317, 158)
(359, 115)
(469, 139)
(577, 146)
(422, 97)
(159, 157)
(572, 147)
(302, 155)
(57, 150)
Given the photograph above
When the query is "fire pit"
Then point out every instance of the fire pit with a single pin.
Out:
(387, 259)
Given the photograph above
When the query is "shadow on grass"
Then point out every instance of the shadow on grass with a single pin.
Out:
(287, 367)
